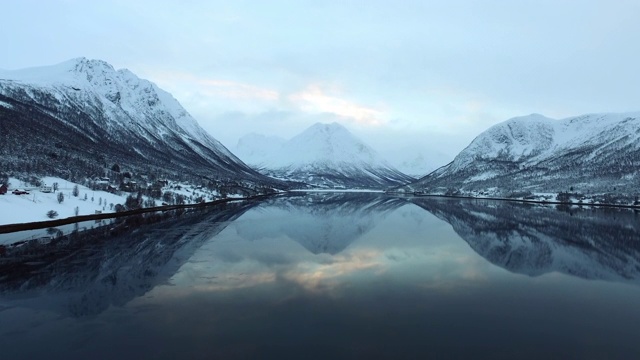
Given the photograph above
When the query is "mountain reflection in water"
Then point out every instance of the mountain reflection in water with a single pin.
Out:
(591, 243)
(110, 265)
(332, 275)
(321, 222)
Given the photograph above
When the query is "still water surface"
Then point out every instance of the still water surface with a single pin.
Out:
(330, 276)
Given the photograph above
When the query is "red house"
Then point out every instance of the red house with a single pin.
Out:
(3, 189)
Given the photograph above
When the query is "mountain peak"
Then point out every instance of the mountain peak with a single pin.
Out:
(323, 154)
(328, 127)
(73, 71)
(536, 153)
(533, 117)
(84, 65)
(90, 95)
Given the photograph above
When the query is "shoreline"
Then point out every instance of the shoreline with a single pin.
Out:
(541, 202)
(10, 228)
(16, 227)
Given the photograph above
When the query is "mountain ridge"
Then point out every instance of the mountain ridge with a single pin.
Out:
(113, 117)
(593, 153)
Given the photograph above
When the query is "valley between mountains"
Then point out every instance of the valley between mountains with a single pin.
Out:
(107, 131)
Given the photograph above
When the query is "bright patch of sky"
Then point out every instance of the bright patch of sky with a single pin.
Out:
(407, 77)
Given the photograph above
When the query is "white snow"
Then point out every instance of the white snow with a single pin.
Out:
(123, 98)
(483, 176)
(329, 144)
(542, 138)
(34, 207)
(16, 209)
(320, 149)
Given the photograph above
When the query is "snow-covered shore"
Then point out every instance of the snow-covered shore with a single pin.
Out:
(34, 206)
(16, 209)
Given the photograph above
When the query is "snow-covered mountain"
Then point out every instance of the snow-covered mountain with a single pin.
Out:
(324, 155)
(84, 114)
(594, 153)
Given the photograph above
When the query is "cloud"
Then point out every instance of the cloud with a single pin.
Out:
(315, 100)
(236, 90)
(329, 277)
(221, 88)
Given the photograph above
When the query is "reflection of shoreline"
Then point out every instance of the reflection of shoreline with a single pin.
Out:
(597, 243)
(539, 202)
(91, 270)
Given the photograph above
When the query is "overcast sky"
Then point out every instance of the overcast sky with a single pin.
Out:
(407, 77)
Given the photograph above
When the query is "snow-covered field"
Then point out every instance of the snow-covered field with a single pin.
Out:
(15, 209)
(35, 205)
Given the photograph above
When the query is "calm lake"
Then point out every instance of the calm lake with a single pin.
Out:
(331, 276)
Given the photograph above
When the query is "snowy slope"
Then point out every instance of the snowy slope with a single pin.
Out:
(325, 155)
(33, 207)
(126, 93)
(589, 153)
(127, 119)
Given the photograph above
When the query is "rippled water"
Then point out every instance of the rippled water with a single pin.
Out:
(332, 276)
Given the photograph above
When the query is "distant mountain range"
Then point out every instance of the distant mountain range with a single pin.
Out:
(324, 155)
(80, 117)
(597, 153)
